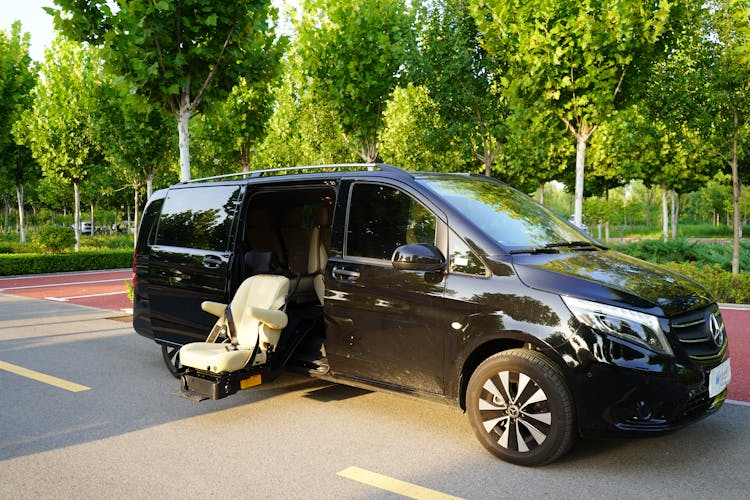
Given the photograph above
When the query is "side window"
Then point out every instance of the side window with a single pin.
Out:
(462, 259)
(198, 218)
(382, 218)
(147, 228)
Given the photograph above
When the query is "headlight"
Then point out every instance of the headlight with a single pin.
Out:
(639, 328)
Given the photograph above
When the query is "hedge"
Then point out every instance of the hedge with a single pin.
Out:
(725, 286)
(14, 264)
(661, 252)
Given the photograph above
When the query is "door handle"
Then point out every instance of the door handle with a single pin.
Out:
(211, 262)
(344, 274)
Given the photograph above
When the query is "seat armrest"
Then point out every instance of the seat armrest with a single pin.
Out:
(272, 317)
(215, 308)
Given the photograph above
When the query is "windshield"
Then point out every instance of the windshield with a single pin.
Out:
(511, 218)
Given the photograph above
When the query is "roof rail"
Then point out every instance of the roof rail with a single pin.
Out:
(337, 166)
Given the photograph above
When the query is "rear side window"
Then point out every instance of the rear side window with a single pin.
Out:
(199, 217)
(147, 229)
(382, 218)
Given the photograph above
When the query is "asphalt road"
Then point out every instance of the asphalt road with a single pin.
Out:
(113, 427)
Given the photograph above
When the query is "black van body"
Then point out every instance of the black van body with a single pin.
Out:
(610, 344)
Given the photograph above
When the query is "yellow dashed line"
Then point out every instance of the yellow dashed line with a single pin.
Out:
(41, 377)
(393, 485)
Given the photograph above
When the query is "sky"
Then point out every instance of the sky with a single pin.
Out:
(33, 20)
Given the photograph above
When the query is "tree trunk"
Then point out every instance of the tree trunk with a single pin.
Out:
(675, 212)
(149, 185)
(368, 150)
(649, 200)
(664, 213)
(21, 221)
(183, 128)
(540, 192)
(7, 214)
(736, 195)
(77, 215)
(91, 209)
(580, 164)
(135, 222)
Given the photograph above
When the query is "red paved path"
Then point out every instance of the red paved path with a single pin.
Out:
(101, 289)
(738, 331)
(107, 290)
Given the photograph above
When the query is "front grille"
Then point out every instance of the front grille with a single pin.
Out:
(701, 334)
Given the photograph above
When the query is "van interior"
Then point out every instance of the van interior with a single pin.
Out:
(287, 232)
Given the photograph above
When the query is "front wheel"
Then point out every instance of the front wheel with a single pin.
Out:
(171, 356)
(520, 407)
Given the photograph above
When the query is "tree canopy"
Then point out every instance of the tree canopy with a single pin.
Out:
(178, 54)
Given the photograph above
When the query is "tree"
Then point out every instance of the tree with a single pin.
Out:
(570, 58)
(411, 123)
(300, 132)
(57, 127)
(228, 134)
(729, 97)
(17, 78)
(352, 52)
(703, 84)
(133, 136)
(462, 80)
(178, 54)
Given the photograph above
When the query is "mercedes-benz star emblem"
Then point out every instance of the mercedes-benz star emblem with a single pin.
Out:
(716, 329)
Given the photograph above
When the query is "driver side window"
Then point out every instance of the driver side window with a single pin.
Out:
(382, 218)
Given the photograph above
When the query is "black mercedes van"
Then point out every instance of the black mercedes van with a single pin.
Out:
(456, 287)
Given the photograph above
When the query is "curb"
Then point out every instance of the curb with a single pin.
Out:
(735, 307)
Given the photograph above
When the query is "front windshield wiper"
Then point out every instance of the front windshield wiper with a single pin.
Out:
(534, 250)
(578, 245)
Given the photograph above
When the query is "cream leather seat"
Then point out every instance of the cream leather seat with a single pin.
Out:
(320, 238)
(258, 318)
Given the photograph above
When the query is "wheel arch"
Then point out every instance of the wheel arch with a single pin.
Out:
(490, 347)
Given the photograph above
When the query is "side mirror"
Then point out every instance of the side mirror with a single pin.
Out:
(418, 257)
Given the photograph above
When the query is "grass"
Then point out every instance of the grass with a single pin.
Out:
(96, 243)
(683, 231)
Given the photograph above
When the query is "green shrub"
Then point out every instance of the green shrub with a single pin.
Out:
(55, 239)
(107, 242)
(14, 264)
(725, 286)
(681, 251)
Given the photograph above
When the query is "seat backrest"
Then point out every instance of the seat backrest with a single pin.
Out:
(320, 238)
(262, 290)
(261, 234)
(296, 240)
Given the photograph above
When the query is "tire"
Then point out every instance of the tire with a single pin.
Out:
(171, 356)
(531, 426)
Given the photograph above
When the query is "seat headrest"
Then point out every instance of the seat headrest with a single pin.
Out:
(291, 218)
(262, 262)
(260, 217)
(324, 215)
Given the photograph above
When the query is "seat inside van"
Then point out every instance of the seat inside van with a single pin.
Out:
(295, 227)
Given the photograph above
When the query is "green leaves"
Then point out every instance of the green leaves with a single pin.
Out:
(178, 54)
(351, 53)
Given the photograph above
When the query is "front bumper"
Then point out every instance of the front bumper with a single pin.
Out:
(622, 390)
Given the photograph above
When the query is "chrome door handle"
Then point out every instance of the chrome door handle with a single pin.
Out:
(344, 274)
(211, 262)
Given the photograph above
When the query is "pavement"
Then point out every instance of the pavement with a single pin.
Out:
(111, 426)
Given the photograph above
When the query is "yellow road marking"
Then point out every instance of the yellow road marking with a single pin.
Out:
(41, 377)
(393, 485)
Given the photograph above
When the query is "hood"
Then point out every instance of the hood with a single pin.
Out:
(613, 278)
